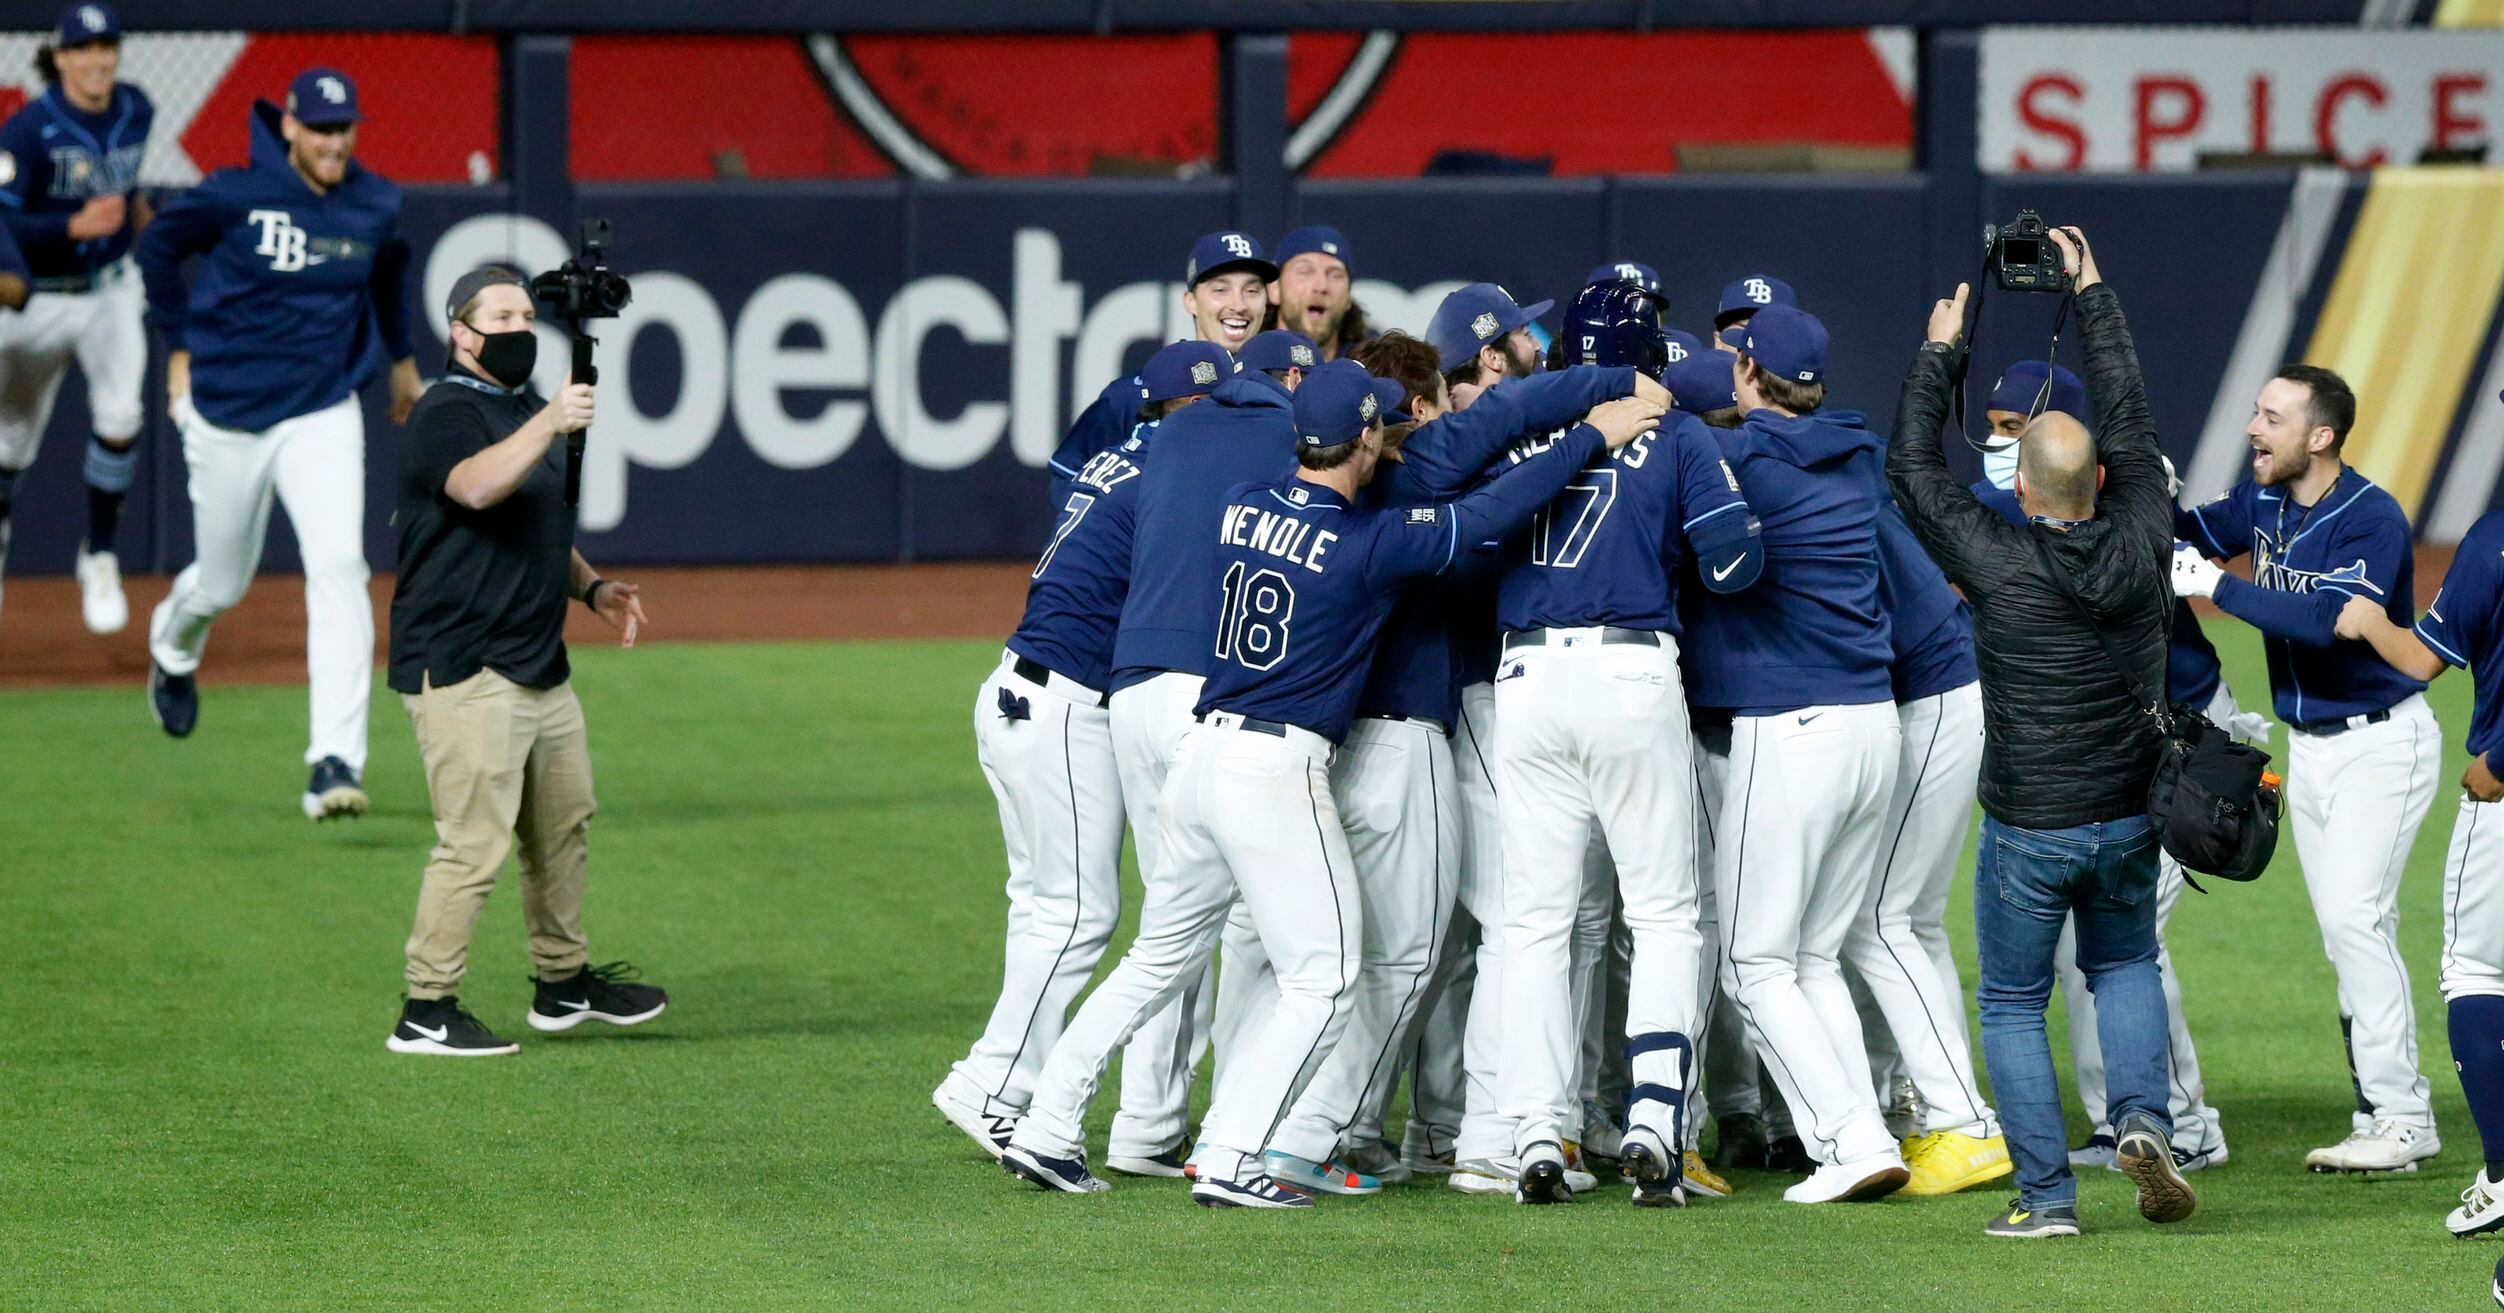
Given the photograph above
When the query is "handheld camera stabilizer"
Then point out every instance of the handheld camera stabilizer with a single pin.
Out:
(582, 289)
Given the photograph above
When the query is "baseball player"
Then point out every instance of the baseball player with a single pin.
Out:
(2362, 745)
(1393, 776)
(1161, 655)
(1740, 299)
(2465, 627)
(1802, 660)
(301, 269)
(1250, 792)
(69, 195)
(1315, 290)
(1226, 291)
(1595, 735)
(1045, 741)
(2192, 676)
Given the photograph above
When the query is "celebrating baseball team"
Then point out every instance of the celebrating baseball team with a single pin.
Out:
(1588, 739)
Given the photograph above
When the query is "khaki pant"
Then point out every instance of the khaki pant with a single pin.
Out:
(502, 762)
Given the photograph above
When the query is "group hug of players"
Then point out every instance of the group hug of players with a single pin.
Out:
(1587, 736)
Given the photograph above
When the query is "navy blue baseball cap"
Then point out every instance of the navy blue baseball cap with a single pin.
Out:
(1745, 296)
(1643, 275)
(1697, 376)
(1473, 317)
(87, 22)
(1185, 369)
(1220, 252)
(1339, 401)
(322, 97)
(1787, 341)
(2022, 382)
(1316, 239)
(1280, 348)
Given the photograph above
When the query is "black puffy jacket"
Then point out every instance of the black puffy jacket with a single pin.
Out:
(2064, 741)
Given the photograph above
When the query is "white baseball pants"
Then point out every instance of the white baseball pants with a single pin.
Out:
(1400, 802)
(1801, 822)
(2355, 801)
(2473, 902)
(1595, 735)
(1732, 1078)
(101, 330)
(1061, 817)
(1898, 945)
(1438, 1086)
(1486, 1131)
(1150, 719)
(1245, 814)
(315, 464)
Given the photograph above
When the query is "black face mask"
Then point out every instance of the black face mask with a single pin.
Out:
(508, 357)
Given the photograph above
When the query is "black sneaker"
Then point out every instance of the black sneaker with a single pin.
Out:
(601, 993)
(2023, 1223)
(174, 700)
(442, 1028)
(333, 791)
(1741, 1141)
(1787, 1154)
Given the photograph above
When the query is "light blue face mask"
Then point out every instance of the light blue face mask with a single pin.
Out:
(2000, 467)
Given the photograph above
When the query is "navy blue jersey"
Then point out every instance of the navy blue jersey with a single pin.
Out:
(1811, 632)
(1930, 626)
(294, 291)
(1244, 433)
(1078, 585)
(1418, 664)
(1607, 550)
(1303, 582)
(2465, 626)
(56, 157)
(2306, 562)
(2192, 672)
(1106, 423)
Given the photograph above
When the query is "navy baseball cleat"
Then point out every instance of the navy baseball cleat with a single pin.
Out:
(1067, 1175)
(1263, 1191)
(1658, 1173)
(603, 993)
(333, 791)
(174, 700)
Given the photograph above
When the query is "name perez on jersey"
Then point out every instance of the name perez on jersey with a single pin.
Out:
(1107, 469)
(1293, 541)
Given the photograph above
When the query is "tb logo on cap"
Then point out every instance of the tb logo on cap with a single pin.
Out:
(1677, 352)
(1237, 245)
(332, 89)
(91, 18)
(1630, 273)
(1759, 291)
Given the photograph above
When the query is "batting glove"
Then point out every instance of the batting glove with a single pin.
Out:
(2194, 575)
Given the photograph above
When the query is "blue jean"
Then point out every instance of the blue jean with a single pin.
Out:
(2026, 882)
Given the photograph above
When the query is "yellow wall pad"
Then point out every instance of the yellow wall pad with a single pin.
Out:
(2469, 13)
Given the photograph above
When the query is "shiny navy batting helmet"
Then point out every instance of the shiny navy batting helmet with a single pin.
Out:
(1614, 324)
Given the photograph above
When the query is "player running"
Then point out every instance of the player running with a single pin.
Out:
(302, 267)
(1304, 580)
(2465, 628)
(1045, 741)
(2361, 743)
(69, 194)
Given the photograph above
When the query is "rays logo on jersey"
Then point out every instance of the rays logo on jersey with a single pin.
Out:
(281, 240)
(2269, 571)
(78, 174)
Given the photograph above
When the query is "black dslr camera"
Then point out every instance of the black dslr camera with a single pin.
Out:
(2023, 257)
(585, 287)
(578, 291)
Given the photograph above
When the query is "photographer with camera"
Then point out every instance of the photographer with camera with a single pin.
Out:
(487, 565)
(2070, 746)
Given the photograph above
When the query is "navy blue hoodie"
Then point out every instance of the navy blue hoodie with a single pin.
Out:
(1812, 631)
(294, 289)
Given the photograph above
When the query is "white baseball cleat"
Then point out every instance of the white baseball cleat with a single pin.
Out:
(985, 1130)
(2481, 1211)
(1540, 1176)
(1497, 1175)
(2388, 1145)
(1904, 1109)
(1857, 1181)
(100, 600)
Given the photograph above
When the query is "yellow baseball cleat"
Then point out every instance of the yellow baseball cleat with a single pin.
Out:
(1702, 1179)
(1944, 1162)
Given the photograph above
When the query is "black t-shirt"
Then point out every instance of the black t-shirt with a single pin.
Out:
(479, 589)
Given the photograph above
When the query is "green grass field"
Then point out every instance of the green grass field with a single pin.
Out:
(197, 1112)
